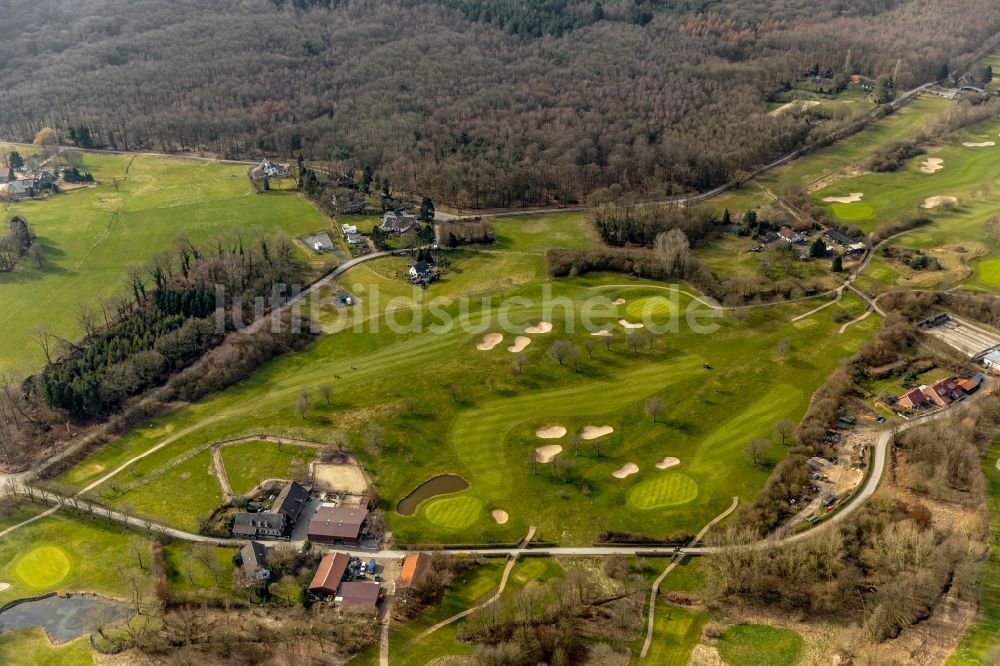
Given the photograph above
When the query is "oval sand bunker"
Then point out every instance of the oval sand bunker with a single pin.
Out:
(619, 301)
(545, 454)
(520, 342)
(854, 196)
(489, 341)
(552, 432)
(932, 164)
(935, 202)
(668, 462)
(500, 516)
(593, 432)
(603, 334)
(626, 470)
(4, 586)
(978, 144)
(541, 327)
(627, 324)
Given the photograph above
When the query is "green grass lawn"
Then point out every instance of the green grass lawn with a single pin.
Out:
(676, 631)
(69, 553)
(89, 235)
(31, 647)
(760, 645)
(981, 643)
(536, 233)
(201, 574)
(249, 463)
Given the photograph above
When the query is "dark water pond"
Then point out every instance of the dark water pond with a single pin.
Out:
(64, 618)
(439, 485)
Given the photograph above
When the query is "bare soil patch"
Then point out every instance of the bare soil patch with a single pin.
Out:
(626, 470)
(545, 454)
(540, 327)
(935, 202)
(489, 341)
(854, 196)
(668, 462)
(340, 477)
(551, 432)
(593, 432)
(520, 342)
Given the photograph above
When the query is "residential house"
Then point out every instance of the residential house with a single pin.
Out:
(970, 384)
(290, 502)
(420, 269)
(348, 229)
(790, 236)
(254, 556)
(359, 596)
(354, 239)
(329, 574)
(415, 569)
(944, 392)
(913, 399)
(337, 523)
(257, 525)
(992, 360)
(266, 169)
(398, 222)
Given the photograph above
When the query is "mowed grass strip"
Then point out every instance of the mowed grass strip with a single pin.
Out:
(760, 645)
(454, 512)
(668, 489)
(657, 307)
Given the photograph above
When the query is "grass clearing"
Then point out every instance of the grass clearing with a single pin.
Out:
(537, 233)
(89, 235)
(760, 645)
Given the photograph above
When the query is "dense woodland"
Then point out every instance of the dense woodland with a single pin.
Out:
(495, 103)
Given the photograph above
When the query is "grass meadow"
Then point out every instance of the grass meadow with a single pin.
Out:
(89, 235)
(249, 463)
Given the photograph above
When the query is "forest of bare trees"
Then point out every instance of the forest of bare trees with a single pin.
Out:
(496, 103)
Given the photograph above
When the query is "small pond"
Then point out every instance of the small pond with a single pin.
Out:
(439, 485)
(64, 618)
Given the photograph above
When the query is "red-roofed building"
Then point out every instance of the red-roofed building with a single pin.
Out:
(944, 392)
(329, 574)
(415, 568)
(359, 596)
(913, 399)
(336, 523)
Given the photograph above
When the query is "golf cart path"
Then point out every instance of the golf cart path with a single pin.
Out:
(670, 567)
(496, 596)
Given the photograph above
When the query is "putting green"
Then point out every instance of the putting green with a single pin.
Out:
(454, 512)
(663, 490)
(989, 272)
(852, 211)
(655, 306)
(43, 566)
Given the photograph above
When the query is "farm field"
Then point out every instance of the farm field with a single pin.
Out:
(89, 235)
(445, 406)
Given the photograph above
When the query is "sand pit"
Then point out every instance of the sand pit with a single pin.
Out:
(935, 202)
(932, 164)
(552, 432)
(490, 340)
(978, 144)
(627, 324)
(855, 196)
(668, 462)
(603, 334)
(545, 454)
(998, 463)
(520, 342)
(619, 301)
(593, 432)
(500, 516)
(4, 586)
(626, 470)
(542, 327)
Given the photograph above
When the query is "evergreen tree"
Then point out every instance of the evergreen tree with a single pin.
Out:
(818, 248)
(427, 210)
(14, 160)
(367, 175)
(727, 217)
(838, 264)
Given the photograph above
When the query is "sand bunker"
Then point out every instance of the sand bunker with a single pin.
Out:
(934, 202)
(932, 164)
(619, 301)
(520, 342)
(627, 324)
(545, 454)
(552, 432)
(626, 470)
(978, 144)
(490, 340)
(4, 586)
(668, 462)
(603, 334)
(542, 327)
(500, 516)
(855, 196)
(998, 463)
(593, 432)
